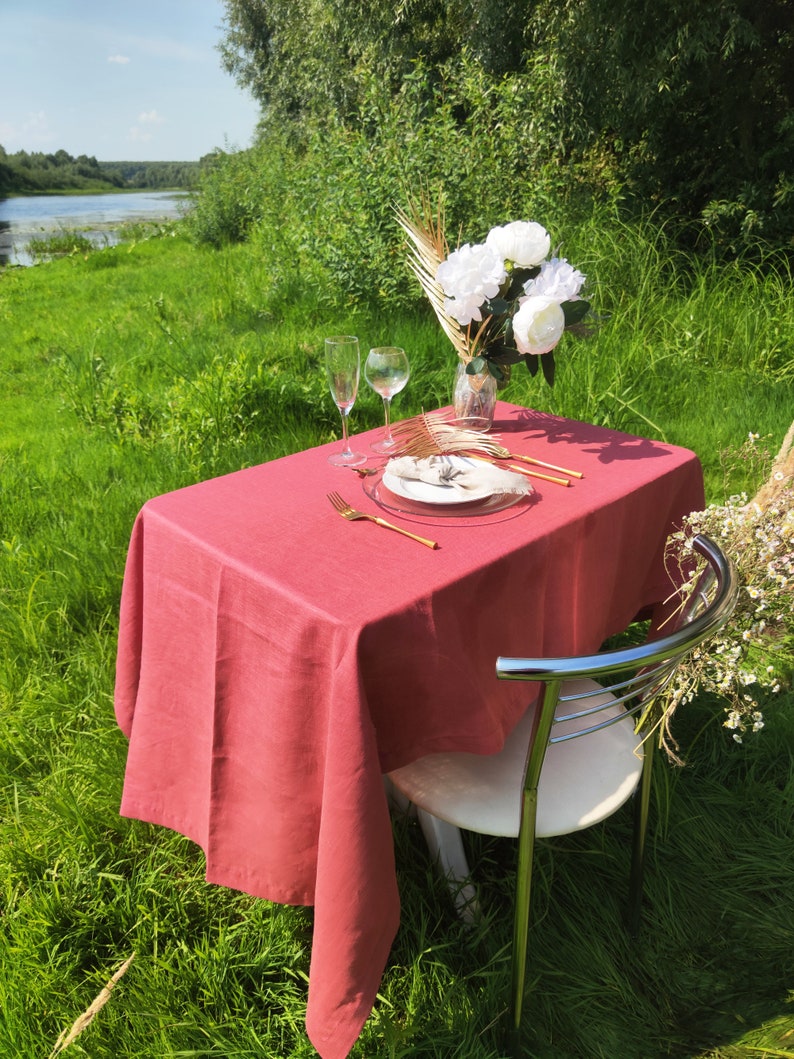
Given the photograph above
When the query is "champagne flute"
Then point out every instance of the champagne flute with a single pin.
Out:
(387, 371)
(342, 368)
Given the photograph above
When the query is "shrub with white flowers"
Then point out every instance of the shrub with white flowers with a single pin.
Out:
(754, 652)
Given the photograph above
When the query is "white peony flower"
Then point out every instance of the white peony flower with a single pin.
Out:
(464, 309)
(538, 325)
(469, 276)
(556, 279)
(525, 243)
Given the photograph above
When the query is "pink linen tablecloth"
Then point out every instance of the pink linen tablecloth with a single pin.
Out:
(274, 660)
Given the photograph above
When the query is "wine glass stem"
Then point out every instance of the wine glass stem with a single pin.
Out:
(345, 442)
(386, 405)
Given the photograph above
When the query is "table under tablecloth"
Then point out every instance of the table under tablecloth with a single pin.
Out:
(274, 660)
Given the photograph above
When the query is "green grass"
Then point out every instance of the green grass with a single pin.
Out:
(144, 367)
(62, 243)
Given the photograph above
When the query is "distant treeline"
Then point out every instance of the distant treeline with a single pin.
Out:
(29, 173)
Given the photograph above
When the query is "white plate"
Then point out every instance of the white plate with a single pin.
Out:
(427, 493)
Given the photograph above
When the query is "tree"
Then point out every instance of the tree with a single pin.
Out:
(305, 58)
(684, 106)
(694, 102)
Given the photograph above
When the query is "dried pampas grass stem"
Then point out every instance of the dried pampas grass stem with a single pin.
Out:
(428, 249)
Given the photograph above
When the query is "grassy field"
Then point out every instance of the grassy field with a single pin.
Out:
(148, 366)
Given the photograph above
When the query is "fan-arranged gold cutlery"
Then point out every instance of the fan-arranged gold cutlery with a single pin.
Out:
(431, 434)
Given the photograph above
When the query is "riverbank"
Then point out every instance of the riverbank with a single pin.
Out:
(106, 189)
(97, 217)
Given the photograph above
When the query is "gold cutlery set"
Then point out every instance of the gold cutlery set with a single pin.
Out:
(432, 435)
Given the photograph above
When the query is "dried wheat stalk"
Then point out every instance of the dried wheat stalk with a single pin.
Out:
(91, 1011)
(429, 249)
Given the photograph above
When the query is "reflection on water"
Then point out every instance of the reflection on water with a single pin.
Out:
(98, 217)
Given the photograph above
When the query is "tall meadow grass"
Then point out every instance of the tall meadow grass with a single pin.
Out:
(144, 367)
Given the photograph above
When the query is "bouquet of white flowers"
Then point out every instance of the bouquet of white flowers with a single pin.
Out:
(500, 302)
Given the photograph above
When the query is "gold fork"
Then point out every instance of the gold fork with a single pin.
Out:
(350, 513)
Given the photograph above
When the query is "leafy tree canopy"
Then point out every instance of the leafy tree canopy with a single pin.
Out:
(685, 105)
(36, 172)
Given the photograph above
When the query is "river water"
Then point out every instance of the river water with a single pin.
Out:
(98, 217)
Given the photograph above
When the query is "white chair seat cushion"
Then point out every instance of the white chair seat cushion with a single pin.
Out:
(583, 780)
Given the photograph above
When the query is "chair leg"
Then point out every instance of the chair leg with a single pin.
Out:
(446, 848)
(642, 800)
(526, 857)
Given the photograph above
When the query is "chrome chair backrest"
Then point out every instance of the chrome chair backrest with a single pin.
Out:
(648, 666)
(636, 676)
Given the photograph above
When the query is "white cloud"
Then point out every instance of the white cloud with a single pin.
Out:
(121, 59)
(142, 131)
(137, 135)
(34, 128)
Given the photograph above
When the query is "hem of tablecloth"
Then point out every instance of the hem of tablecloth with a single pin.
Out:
(215, 873)
(333, 1043)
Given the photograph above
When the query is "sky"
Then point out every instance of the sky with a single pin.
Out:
(119, 80)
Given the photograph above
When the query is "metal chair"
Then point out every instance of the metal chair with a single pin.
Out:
(550, 780)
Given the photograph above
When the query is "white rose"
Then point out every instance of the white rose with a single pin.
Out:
(538, 325)
(525, 243)
(558, 280)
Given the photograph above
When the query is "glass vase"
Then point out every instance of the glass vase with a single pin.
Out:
(474, 399)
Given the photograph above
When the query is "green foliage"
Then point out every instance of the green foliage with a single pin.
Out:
(165, 175)
(663, 103)
(233, 196)
(323, 208)
(693, 104)
(59, 244)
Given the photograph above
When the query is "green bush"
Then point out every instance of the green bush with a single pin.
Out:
(230, 199)
(320, 211)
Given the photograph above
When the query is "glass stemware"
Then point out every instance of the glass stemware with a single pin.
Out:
(342, 369)
(386, 370)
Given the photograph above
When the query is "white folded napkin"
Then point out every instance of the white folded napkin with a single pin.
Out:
(459, 473)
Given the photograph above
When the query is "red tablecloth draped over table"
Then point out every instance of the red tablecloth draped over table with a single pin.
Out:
(275, 659)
